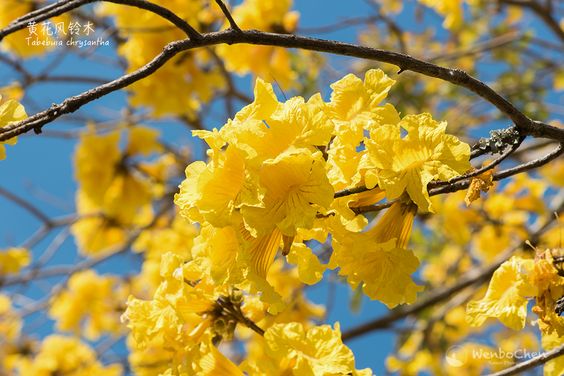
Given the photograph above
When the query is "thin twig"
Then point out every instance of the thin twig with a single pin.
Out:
(24, 204)
(531, 363)
(228, 15)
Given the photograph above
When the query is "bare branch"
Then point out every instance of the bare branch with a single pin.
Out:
(228, 15)
(481, 170)
(542, 12)
(532, 363)
(32, 209)
(502, 174)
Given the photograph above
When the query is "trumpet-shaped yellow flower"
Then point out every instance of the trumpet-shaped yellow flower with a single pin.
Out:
(266, 128)
(357, 102)
(408, 164)
(95, 158)
(377, 259)
(506, 297)
(215, 363)
(383, 269)
(550, 286)
(317, 351)
(355, 107)
(212, 192)
(10, 112)
(296, 185)
(112, 197)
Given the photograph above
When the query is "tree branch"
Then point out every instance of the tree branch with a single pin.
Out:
(228, 15)
(65, 6)
(531, 363)
(27, 206)
(405, 62)
(541, 12)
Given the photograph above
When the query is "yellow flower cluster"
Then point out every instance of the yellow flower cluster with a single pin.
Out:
(17, 43)
(513, 284)
(114, 190)
(99, 316)
(185, 82)
(283, 163)
(66, 356)
(269, 184)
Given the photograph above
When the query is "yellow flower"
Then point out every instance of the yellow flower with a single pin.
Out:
(452, 10)
(383, 269)
(554, 367)
(480, 183)
(191, 79)
(10, 112)
(355, 107)
(13, 91)
(507, 296)
(410, 163)
(310, 269)
(143, 141)
(266, 128)
(176, 235)
(12, 260)
(215, 363)
(317, 351)
(178, 312)
(212, 192)
(377, 259)
(95, 159)
(356, 102)
(296, 186)
(455, 219)
(112, 197)
(18, 43)
(94, 232)
(100, 315)
(67, 356)
(550, 286)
